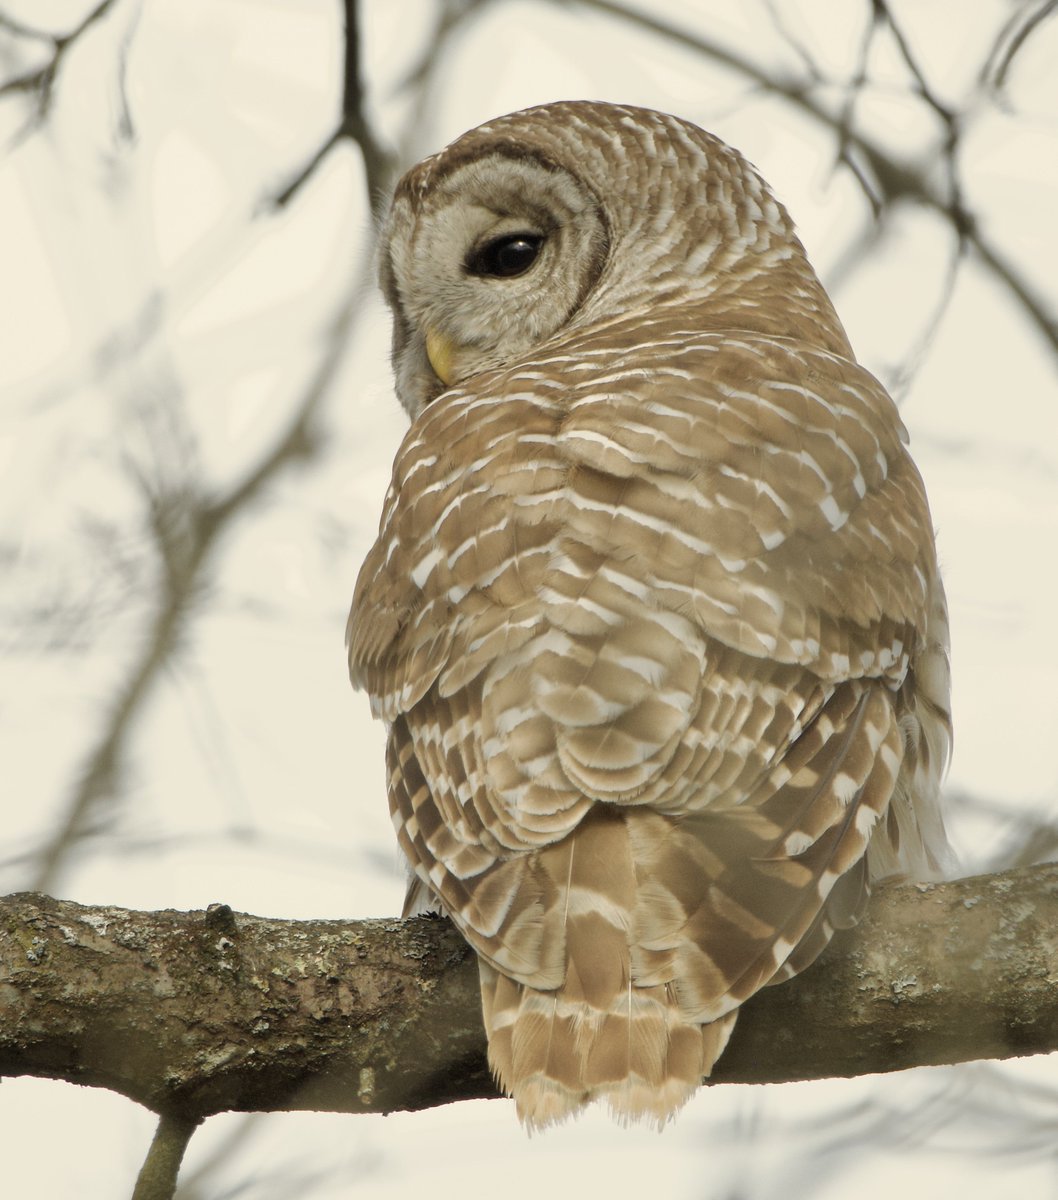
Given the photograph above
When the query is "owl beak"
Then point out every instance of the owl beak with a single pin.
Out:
(443, 354)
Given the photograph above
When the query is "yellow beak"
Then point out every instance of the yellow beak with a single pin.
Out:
(443, 354)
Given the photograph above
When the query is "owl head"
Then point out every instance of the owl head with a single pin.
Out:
(541, 225)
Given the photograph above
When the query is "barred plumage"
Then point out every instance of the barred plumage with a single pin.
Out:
(654, 615)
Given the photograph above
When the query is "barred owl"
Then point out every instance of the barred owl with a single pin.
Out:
(654, 617)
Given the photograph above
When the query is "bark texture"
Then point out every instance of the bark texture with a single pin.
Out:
(201, 1012)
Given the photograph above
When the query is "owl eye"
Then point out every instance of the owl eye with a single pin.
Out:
(507, 256)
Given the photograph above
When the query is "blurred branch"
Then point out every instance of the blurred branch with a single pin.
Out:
(378, 165)
(847, 116)
(421, 82)
(1016, 838)
(897, 381)
(187, 527)
(196, 1013)
(41, 80)
(1019, 28)
(893, 181)
(1043, 317)
(954, 207)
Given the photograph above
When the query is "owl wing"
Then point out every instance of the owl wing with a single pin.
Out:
(693, 584)
(766, 482)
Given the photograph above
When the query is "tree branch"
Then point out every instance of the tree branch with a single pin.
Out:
(354, 125)
(157, 1177)
(891, 181)
(1019, 28)
(197, 1013)
(187, 524)
(40, 81)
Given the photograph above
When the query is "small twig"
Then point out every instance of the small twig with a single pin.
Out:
(353, 125)
(895, 180)
(42, 79)
(960, 218)
(1043, 317)
(844, 153)
(899, 381)
(297, 439)
(21, 29)
(287, 193)
(203, 521)
(157, 1177)
(793, 41)
(997, 68)
(448, 18)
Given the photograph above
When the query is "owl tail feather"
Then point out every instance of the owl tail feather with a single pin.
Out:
(617, 1028)
(555, 1055)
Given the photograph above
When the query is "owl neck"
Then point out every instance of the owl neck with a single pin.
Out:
(776, 303)
(752, 275)
(777, 300)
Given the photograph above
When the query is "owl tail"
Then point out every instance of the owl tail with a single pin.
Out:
(665, 924)
(555, 1054)
(607, 1032)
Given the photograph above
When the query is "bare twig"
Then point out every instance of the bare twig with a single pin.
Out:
(843, 153)
(20, 29)
(187, 524)
(898, 381)
(1043, 315)
(1019, 27)
(157, 1177)
(782, 26)
(895, 181)
(448, 18)
(41, 80)
(186, 556)
(354, 125)
(954, 208)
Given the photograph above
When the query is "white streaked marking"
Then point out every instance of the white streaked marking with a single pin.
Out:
(587, 901)
(655, 524)
(797, 843)
(865, 820)
(424, 567)
(835, 515)
(556, 599)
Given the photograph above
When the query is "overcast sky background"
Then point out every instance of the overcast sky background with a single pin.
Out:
(160, 320)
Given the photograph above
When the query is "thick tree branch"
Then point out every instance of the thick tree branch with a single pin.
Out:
(197, 1013)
